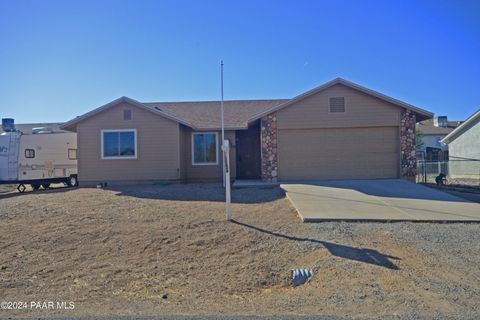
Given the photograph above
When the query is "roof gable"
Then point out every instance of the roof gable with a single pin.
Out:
(70, 125)
(423, 114)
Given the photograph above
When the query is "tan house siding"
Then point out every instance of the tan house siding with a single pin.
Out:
(182, 150)
(205, 172)
(158, 156)
(361, 143)
(361, 110)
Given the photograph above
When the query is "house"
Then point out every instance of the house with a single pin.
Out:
(339, 130)
(432, 132)
(464, 150)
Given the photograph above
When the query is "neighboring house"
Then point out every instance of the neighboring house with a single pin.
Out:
(464, 149)
(27, 127)
(339, 130)
(432, 132)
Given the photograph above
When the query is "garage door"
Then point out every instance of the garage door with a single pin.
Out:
(339, 153)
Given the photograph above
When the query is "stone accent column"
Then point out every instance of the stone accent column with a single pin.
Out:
(408, 161)
(269, 141)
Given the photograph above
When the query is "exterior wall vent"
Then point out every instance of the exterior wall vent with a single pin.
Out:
(127, 114)
(337, 104)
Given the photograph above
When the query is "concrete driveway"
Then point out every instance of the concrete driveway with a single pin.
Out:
(376, 200)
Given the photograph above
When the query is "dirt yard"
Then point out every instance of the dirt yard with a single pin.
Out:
(167, 249)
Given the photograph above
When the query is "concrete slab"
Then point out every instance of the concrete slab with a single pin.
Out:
(377, 200)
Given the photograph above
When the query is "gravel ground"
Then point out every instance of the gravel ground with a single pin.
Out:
(167, 250)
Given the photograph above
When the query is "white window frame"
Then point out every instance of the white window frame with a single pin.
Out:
(216, 150)
(119, 157)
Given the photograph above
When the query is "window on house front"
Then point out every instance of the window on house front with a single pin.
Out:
(119, 144)
(72, 154)
(29, 153)
(204, 148)
(337, 104)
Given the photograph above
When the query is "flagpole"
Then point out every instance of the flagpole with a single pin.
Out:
(223, 126)
(225, 161)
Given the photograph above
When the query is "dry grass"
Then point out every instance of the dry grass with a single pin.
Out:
(168, 250)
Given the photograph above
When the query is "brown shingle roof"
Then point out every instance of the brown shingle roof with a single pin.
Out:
(206, 114)
(427, 127)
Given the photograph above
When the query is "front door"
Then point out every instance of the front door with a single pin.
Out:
(248, 153)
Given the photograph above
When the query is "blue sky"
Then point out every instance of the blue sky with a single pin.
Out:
(59, 59)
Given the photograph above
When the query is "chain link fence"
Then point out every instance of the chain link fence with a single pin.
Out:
(456, 171)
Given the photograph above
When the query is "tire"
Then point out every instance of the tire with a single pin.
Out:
(72, 181)
(46, 185)
(35, 186)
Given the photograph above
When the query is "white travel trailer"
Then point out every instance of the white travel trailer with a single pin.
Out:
(38, 158)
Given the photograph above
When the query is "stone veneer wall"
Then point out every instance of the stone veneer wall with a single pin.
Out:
(269, 141)
(408, 164)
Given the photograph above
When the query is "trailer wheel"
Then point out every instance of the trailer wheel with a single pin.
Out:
(46, 185)
(21, 188)
(35, 186)
(72, 181)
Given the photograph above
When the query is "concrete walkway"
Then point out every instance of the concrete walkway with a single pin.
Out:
(376, 200)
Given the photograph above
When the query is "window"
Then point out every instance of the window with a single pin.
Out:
(29, 153)
(72, 154)
(127, 114)
(204, 148)
(337, 104)
(119, 144)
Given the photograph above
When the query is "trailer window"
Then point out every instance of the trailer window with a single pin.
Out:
(72, 154)
(29, 153)
(119, 144)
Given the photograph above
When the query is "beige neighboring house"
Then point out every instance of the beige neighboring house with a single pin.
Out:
(339, 130)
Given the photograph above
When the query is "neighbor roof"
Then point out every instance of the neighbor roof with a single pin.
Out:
(427, 127)
(472, 120)
(26, 128)
(205, 115)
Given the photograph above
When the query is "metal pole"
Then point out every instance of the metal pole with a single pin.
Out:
(225, 161)
(228, 196)
(223, 126)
